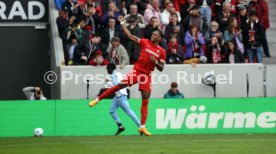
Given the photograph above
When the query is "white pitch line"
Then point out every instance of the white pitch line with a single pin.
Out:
(118, 142)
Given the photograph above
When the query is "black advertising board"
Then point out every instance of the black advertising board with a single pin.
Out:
(24, 11)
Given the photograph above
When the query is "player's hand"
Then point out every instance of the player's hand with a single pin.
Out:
(152, 58)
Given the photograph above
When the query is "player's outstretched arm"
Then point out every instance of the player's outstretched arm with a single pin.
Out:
(125, 30)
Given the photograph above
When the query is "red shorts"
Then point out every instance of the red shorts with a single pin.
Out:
(134, 77)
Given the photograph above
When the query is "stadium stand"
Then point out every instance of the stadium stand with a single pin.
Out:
(94, 25)
(84, 18)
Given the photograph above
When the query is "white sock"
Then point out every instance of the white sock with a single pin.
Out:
(142, 126)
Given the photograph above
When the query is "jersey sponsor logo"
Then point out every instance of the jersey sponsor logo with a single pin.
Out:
(153, 53)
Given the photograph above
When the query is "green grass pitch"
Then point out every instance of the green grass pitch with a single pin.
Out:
(156, 144)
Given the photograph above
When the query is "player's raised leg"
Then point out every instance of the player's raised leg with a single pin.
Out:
(130, 79)
(107, 93)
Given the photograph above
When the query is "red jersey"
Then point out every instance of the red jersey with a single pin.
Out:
(147, 49)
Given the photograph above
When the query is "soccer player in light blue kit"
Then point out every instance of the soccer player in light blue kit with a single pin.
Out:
(120, 99)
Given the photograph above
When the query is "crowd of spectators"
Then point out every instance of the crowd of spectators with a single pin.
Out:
(195, 31)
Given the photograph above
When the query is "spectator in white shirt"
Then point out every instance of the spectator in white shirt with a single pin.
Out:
(133, 13)
(165, 15)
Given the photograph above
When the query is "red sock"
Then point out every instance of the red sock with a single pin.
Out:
(144, 111)
(109, 92)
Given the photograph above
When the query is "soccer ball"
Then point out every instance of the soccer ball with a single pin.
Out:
(38, 132)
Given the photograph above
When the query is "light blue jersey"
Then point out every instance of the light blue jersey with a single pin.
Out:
(116, 78)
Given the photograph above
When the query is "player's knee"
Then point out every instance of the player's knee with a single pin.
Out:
(145, 95)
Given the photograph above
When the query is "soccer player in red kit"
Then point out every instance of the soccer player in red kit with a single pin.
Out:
(151, 56)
